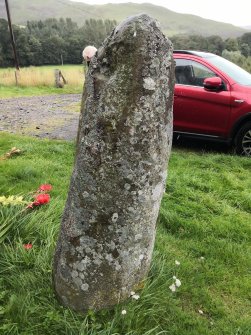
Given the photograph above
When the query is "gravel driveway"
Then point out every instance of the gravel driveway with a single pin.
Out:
(50, 116)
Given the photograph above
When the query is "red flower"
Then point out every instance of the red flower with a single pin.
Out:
(40, 199)
(45, 187)
(27, 246)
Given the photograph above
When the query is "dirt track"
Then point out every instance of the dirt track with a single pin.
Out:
(51, 116)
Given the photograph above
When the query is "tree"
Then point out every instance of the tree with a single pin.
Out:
(231, 44)
(22, 45)
(215, 44)
(73, 50)
(234, 56)
(5, 44)
(245, 49)
(35, 54)
(246, 38)
(95, 31)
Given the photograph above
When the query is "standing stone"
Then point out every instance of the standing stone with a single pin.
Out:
(124, 139)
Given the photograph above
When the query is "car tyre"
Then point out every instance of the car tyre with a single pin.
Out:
(243, 140)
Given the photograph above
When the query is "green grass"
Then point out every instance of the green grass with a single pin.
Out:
(14, 91)
(204, 223)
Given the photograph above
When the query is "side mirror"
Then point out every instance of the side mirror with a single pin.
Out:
(213, 84)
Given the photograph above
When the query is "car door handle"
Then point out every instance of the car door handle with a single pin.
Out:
(239, 101)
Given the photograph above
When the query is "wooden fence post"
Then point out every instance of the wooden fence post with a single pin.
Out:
(58, 76)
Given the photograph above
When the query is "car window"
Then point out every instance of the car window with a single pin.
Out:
(232, 70)
(188, 72)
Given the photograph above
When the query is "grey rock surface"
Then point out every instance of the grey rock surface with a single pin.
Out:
(124, 138)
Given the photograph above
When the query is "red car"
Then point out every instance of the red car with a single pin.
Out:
(212, 99)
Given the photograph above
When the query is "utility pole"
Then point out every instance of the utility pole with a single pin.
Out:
(12, 35)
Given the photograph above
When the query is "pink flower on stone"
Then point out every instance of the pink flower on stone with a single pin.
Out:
(89, 52)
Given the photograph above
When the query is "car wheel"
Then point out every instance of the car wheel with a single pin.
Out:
(243, 140)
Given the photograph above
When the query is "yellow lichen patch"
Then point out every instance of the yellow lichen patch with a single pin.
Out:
(139, 286)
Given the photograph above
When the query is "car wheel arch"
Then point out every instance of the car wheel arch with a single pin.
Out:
(243, 140)
(238, 125)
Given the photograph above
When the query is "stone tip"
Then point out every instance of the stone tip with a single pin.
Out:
(130, 20)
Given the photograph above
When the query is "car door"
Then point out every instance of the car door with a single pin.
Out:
(197, 110)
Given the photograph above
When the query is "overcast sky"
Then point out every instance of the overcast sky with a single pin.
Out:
(236, 12)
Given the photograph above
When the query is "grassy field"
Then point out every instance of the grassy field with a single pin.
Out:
(40, 80)
(203, 238)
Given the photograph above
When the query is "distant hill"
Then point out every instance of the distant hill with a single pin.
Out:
(171, 22)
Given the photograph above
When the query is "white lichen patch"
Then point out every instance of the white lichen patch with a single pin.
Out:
(117, 266)
(77, 281)
(87, 250)
(84, 287)
(81, 267)
(97, 261)
(149, 84)
(157, 192)
(82, 275)
(127, 187)
(132, 131)
(92, 219)
(109, 258)
(138, 237)
(113, 123)
(112, 245)
(74, 274)
(115, 217)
